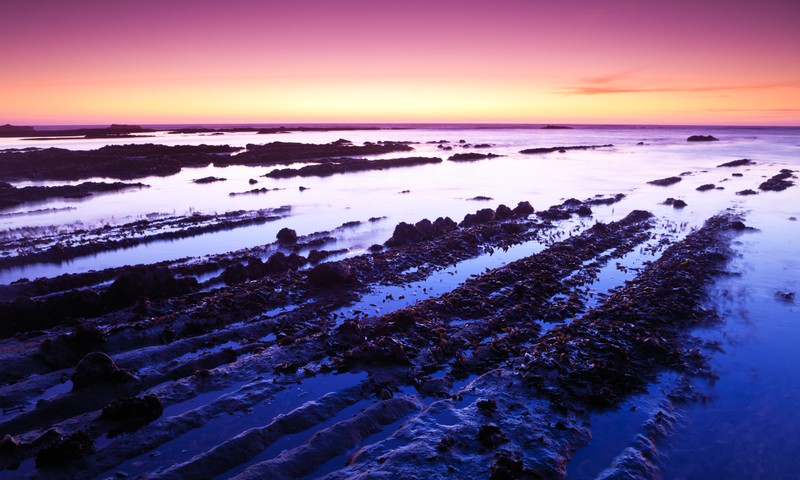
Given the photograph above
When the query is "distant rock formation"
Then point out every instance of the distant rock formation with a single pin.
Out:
(702, 138)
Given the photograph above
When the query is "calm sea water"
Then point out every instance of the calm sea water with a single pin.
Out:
(747, 429)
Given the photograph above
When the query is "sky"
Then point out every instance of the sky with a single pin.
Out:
(503, 61)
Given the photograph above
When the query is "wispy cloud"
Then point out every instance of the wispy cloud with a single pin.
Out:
(625, 82)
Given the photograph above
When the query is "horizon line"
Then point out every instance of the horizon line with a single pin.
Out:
(395, 123)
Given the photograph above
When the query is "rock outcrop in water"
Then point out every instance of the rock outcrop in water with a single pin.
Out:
(702, 138)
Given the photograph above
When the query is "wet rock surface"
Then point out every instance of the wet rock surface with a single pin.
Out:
(344, 165)
(11, 196)
(665, 182)
(71, 244)
(532, 347)
(471, 157)
(541, 150)
(737, 163)
(779, 182)
(702, 138)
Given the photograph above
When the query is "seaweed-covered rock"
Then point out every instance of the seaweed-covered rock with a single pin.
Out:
(287, 236)
(132, 413)
(65, 449)
(490, 435)
(331, 275)
(503, 212)
(98, 368)
(151, 282)
(481, 216)
(277, 263)
(523, 209)
(404, 233)
(779, 182)
(506, 466)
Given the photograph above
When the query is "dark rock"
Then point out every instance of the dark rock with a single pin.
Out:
(738, 225)
(443, 225)
(676, 203)
(151, 282)
(425, 228)
(490, 435)
(664, 182)
(9, 446)
(556, 127)
(506, 466)
(331, 275)
(314, 256)
(707, 186)
(481, 216)
(132, 413)
(66, 349)
(747, 192)
(296, 261)
(702, 138)
(98, 368)
(480, 198)
(208, 180)
(523, 209)
(287, 236)
(236, 273)
(503, 212)
(65, 449)
(470, 157)
(252, 181)
(779, 182)
(376, 248)
(541, 150)
(404, 234)
(583, 211)
(277, 263)
(256, 268)
(487, 407)
(737, 163)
